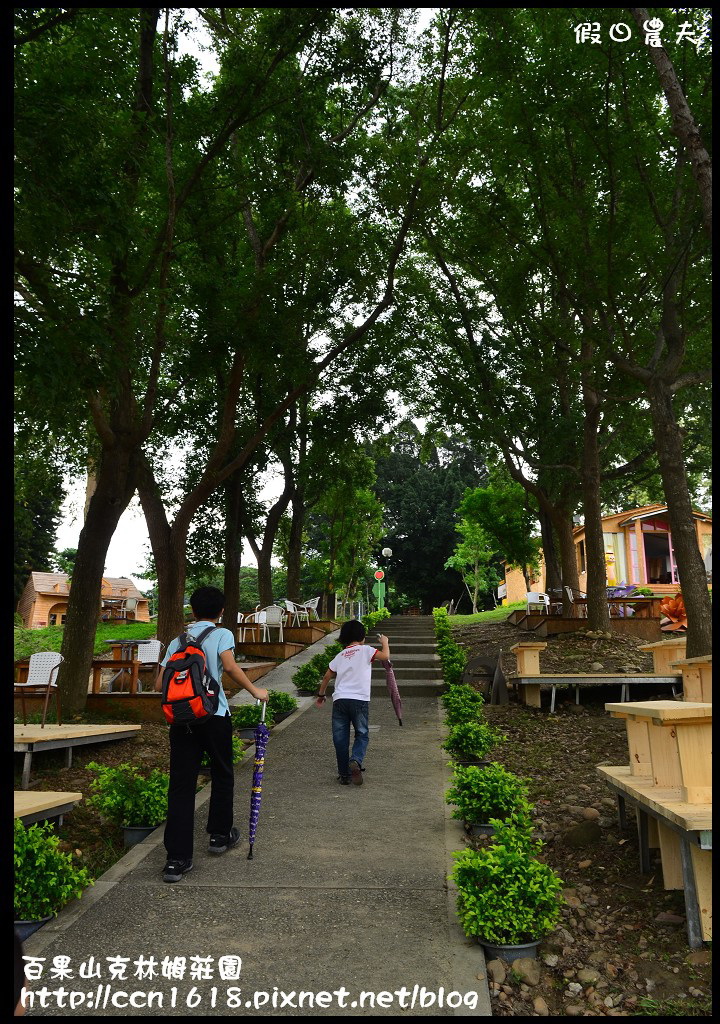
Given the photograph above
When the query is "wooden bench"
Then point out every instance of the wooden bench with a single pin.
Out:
(30, 739)
(43, 806)
(697, 678)
(678, 742)
(682, 831)
(119, 664)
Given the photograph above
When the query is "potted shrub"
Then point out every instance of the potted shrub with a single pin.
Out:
(281, 705)
(506, 898)
(480, 794)
(471, 742)
(462, 703)
(238, 753)
(136, 803)
(245, 718)
(46, 878)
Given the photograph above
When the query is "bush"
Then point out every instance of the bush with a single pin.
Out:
(452, 657)
(462, 704)
(472, 739)
(280, 703)
(308, 676)
(371, 620)
(46, 878)
(247, 716)
(238, 753)
(505, 895)
(480, 794)
(127, 798)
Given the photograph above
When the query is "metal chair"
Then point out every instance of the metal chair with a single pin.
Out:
(42, 669)
(312, 606)
(579, 610)
(298, 612)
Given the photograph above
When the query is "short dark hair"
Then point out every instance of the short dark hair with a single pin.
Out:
(207, 602)
(351, 632)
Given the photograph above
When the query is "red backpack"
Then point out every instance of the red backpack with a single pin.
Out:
(189, 692)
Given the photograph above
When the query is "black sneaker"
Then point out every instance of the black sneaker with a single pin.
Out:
(220, 843)
(175, 869)
(344, 780)
(356, 773)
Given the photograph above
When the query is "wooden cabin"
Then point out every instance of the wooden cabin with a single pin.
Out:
(45, 598)
(638, 550)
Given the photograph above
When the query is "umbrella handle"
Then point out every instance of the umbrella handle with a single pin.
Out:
(264, 708)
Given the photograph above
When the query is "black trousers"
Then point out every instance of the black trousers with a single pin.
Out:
(187, 745)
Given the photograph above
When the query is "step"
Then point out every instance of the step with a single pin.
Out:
(410, 687)
(417, 672)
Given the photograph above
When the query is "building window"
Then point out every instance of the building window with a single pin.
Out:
(62, 619)
(581, 556)
(53, 618)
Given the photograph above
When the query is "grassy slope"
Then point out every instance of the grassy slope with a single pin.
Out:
(28, 641)
(494, 615)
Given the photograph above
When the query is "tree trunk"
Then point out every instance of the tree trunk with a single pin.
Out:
(297, 525)
(553, 576)
(562, 521)
(233, 552)
(115, 486)
(597, 606)
(169, 548)
(690, 565)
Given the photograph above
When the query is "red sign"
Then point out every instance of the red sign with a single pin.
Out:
(379, 575)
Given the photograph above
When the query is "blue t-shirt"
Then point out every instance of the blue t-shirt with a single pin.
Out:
(214, 644)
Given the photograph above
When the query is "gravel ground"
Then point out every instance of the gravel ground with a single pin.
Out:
(621, 948)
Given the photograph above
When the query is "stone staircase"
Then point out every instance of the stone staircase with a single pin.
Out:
(413, 656)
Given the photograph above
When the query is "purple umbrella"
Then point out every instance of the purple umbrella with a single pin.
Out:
(262, 734)
(393, 689)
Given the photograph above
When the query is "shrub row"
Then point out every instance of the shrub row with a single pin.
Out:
(308, 676)
(505, 895)
(452, 657)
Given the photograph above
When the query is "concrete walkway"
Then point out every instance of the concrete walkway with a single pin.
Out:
(346, 893)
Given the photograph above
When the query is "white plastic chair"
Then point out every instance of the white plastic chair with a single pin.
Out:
(541, 601)
(274, 619)
(312, 606)
(149, 655)
(255, 624)
(298, 612)
(42, 669)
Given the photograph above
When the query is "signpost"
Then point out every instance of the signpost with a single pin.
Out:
(379, 588)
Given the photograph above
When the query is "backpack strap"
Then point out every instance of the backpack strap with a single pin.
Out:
(199, 640)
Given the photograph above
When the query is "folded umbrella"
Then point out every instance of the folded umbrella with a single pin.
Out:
(262, 734)
(393, 689)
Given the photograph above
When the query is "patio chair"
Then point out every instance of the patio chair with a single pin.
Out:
(298, 612)
(579, 610)
(149, 656)
(274, 619)
(535, 601)
(42, 670)
(255, 624)
(312, 606)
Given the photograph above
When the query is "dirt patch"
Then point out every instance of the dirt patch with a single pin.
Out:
(621, 948)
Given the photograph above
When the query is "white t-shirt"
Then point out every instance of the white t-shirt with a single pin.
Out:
(353, 672)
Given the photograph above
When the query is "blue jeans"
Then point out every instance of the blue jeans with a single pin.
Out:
(345, 712)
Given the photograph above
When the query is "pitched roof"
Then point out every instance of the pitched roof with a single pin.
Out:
(57, 583)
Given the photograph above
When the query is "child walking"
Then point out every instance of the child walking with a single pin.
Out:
(351, 670)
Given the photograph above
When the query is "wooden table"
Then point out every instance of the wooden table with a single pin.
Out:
(684, 833)
(30, 739)
(43, 805)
